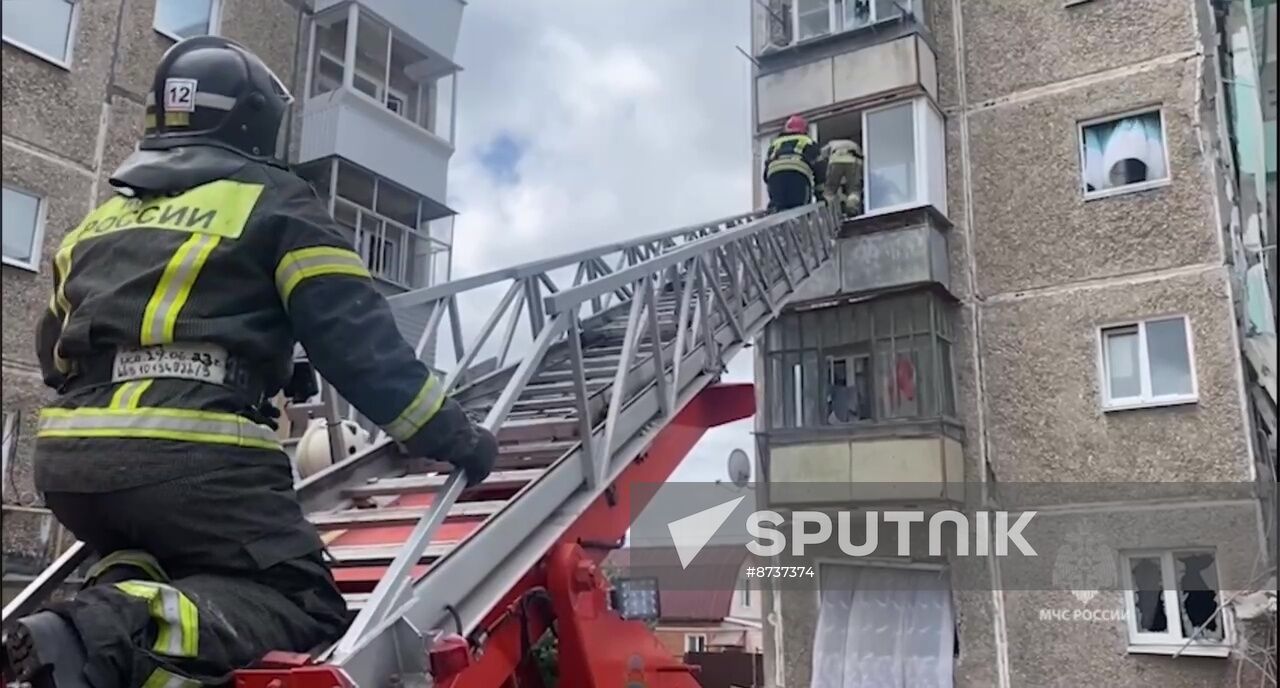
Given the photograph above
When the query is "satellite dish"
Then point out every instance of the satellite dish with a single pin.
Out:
(739, 468)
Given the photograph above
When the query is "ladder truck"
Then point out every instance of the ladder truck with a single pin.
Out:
(450, 585)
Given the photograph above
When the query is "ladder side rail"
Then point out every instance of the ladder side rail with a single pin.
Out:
(427, 294)
(494, 544)
(37, 591)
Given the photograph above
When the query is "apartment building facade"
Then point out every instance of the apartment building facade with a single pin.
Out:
(374, 83)
(1063, 271)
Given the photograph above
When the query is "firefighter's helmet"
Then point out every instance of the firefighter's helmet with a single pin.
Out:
(211, 91)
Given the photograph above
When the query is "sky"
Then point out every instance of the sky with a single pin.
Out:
(582, 122)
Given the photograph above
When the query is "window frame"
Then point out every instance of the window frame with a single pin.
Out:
(215, 21)
(836, 13)
(9, 443)
(73, 23)
(1128, 188)
(692, 636)
(37, 232)
(1145, 399)
(1171, 641)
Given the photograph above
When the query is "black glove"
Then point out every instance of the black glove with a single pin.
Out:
(474, 450)
(451, 436)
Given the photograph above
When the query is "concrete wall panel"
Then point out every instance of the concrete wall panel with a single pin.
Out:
(794, 90)
(1044, 419)
(1033, 226)
(879, 68)
(1020, 44)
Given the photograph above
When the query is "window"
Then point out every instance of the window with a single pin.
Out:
(10, 442)
(1123, 154)
(41, 27)
(1148, 363)
(904, 150)
(23, 228)
(695, 642)
(179, 19)
(379, 218)
(815, 18)
(861, 363)
(1172, 597)
(388, 68)
(883, 626)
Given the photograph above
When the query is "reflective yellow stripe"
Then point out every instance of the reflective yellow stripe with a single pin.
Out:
(161, 678)
(220, 208)
(129, 395)
(183, 425)
(789, 166)
(419, 411)
(174, 287)
(305, 263)
(59, 304)
(176, 617)
(129, 557)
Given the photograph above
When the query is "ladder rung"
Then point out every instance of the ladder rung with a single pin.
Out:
(395, 516)
(566, 387)
(546, 429)
(419, 484)
(566, 401)
(375, 555)
(604, 375)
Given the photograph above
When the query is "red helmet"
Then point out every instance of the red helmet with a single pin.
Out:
(796, 125)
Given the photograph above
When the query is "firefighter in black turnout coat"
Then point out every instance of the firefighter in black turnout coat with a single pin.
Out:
(173, 318)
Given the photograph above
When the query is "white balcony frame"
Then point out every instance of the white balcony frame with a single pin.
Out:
(836, 15)
(428, 91)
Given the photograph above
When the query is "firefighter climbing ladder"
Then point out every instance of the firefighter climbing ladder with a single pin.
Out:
(644, 327)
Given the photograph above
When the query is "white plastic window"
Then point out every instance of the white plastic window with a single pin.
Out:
(41, 27)
(1148, 363)
(890, 148)
(179, 19)
(23, 228)
(695, 642)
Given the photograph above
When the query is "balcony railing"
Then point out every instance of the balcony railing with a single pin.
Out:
(394, 252)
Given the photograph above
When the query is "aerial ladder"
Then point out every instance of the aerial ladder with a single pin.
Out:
(450, 585)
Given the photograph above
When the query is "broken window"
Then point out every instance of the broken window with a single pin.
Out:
(1123, 154)
(861, 362)
(1147, 363)
(1173, 598)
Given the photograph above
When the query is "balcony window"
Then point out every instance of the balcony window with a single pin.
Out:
(814, 18)
(904, 163)
(389, 226)
(43, 28)
(389, 69)
(861, 363)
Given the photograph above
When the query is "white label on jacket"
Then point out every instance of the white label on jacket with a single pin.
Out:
(199, 362)
(180, 95)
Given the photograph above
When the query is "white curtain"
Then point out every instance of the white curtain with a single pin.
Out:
(882, 627)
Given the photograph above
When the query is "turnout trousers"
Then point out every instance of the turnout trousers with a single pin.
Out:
(789, 189)
(200, 576)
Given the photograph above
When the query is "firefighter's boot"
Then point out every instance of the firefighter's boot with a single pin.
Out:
(46, 652)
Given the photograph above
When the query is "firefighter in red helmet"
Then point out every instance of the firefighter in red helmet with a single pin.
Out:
(791, 168)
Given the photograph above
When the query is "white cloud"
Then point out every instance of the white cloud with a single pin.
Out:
(631, 118)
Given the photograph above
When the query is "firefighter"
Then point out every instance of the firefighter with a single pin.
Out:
(175, 309)
(843, 186)
(791, 166)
